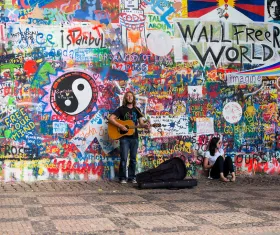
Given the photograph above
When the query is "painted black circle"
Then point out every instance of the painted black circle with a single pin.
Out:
(81, 87)
(64, 100)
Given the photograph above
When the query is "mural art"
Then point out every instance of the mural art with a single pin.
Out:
(199, 69)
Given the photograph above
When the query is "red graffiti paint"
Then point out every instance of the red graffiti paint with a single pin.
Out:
(65, 6)
(76, 168)
(53, 169)
(213, 90)
(253, 166)
(75, 34)
(30, 67)
(97, 30)
(68, 119)
(69, 148)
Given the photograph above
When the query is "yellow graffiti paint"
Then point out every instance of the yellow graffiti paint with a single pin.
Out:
(229, 2)
(184, 148)
(184, 8)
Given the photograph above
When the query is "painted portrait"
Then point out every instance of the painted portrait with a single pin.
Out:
(92, 10)
(273, 11)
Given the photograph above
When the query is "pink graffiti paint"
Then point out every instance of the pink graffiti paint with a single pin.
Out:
(2, 33)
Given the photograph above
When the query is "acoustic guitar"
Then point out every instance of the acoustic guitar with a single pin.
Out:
(115, 133)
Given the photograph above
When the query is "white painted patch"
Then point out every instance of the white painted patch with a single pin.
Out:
(159, 43)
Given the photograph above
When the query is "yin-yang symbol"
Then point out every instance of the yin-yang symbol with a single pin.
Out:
(83, 93)
(73, 93)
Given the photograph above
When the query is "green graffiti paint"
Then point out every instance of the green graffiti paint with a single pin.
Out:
(42, 77)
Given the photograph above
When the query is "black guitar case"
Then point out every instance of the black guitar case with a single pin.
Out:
(169, 174)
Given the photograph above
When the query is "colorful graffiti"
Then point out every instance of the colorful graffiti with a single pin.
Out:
(200, 70)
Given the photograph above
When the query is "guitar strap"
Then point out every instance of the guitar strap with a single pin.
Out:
(147, 120)
(140, 112)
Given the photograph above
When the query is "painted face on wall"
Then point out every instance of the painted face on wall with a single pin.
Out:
(274, 10)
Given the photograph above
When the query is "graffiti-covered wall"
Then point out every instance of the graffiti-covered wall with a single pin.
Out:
(199, 69)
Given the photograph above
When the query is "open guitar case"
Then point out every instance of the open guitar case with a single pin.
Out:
(169, 174)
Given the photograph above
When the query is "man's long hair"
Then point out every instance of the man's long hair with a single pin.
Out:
(213, 145)
(125, 100)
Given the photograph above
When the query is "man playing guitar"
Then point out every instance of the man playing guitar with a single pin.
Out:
(128, 143)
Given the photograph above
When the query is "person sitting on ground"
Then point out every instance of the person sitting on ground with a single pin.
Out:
(218, 165)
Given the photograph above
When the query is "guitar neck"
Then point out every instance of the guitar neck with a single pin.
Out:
(132, 127)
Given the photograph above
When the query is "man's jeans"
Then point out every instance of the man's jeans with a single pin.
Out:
(128, 145)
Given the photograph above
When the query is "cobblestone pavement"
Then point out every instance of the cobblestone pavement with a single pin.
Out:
(249, 206)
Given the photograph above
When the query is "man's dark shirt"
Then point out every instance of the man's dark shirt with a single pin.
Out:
(124, 113)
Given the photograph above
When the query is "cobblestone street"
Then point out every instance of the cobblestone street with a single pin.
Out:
(248, 206)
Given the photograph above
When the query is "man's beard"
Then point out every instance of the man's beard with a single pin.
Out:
(129, 102)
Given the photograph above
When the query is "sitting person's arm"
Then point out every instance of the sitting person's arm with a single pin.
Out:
(206, 164)
(222, 153)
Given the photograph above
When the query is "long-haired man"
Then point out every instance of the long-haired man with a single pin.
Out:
(128, 144)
